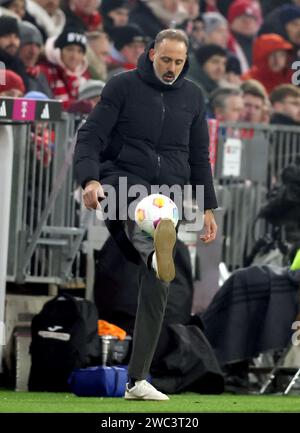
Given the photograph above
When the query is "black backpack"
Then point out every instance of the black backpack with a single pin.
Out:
(64, 337)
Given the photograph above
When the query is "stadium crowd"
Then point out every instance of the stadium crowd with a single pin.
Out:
(243, 52)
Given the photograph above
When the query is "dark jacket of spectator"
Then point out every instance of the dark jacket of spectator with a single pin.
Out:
(153, 131)
(196, 72)
(36, 79)
(151, 22)
(282, 119)
(14, 64)
(277, 20)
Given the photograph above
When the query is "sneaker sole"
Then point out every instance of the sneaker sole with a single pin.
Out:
(129, 397)
(164, 241)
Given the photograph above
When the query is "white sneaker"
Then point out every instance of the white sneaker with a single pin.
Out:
(143, 390)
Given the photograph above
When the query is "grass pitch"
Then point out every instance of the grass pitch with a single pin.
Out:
(44, 402)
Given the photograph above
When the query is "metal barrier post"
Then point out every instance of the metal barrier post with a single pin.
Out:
(6, 166)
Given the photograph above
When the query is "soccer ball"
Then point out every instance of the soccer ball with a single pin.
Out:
(151, 209)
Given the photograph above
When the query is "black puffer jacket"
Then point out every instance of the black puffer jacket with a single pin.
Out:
(152, 130)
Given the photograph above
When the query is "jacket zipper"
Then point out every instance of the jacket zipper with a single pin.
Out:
(162, 125)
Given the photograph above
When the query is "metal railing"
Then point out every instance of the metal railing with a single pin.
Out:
(46, 229)
(249, 162)
(45, 233)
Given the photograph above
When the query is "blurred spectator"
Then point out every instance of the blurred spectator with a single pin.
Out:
(129, 43)
(83, 15)
(29, 52)
(244, 17)
(9, 45)
(256, 102)
(226, 104)
(192, 9)
(115, 13)
(66, 64)
(197, 35)
(98, 53)
(155, 15)
(285, 100)
(216, 29)
(14, 85)
(208, 67)
(89, 95)
(285, 21)
(233, 70)
(16, 7)
(271, 61)
(46, 15)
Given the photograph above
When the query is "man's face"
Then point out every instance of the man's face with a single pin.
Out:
(49, 5)
(170, 5)
(192, 7)
(198, 31)
(101, 47)
(293, 31)
(119, 16)
(215, 67)
(29, 54)
(277, 61)
(219, 36)
(168, 59)
(72, 56)
(10, 43)
(232, 110)
(253, 108)
(18, 7)
(132, 52)
(290, 106)
(245, 25)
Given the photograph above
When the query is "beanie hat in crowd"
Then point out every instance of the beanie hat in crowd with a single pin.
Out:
(212, 21)
(71, 36)
(126, 35)
(8, 25)
(30, 34)
(110, 5)
(12, 81)
(289, 13)
(205, 52)
(90, 89)
(243, 7)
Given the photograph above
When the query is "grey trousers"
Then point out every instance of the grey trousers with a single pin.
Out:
(152, 301)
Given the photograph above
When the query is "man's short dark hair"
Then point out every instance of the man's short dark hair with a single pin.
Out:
(254, 88)
(219, 96)
(173, 34)
(284, 91)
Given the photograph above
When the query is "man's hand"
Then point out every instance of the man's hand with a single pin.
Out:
(210, 227)
(91, 193)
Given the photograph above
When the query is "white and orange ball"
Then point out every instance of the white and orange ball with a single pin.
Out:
(153, 208)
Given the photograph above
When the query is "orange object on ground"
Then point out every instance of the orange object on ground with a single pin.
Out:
(106, 328)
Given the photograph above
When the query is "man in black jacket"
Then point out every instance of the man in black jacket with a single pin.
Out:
(150, 128)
